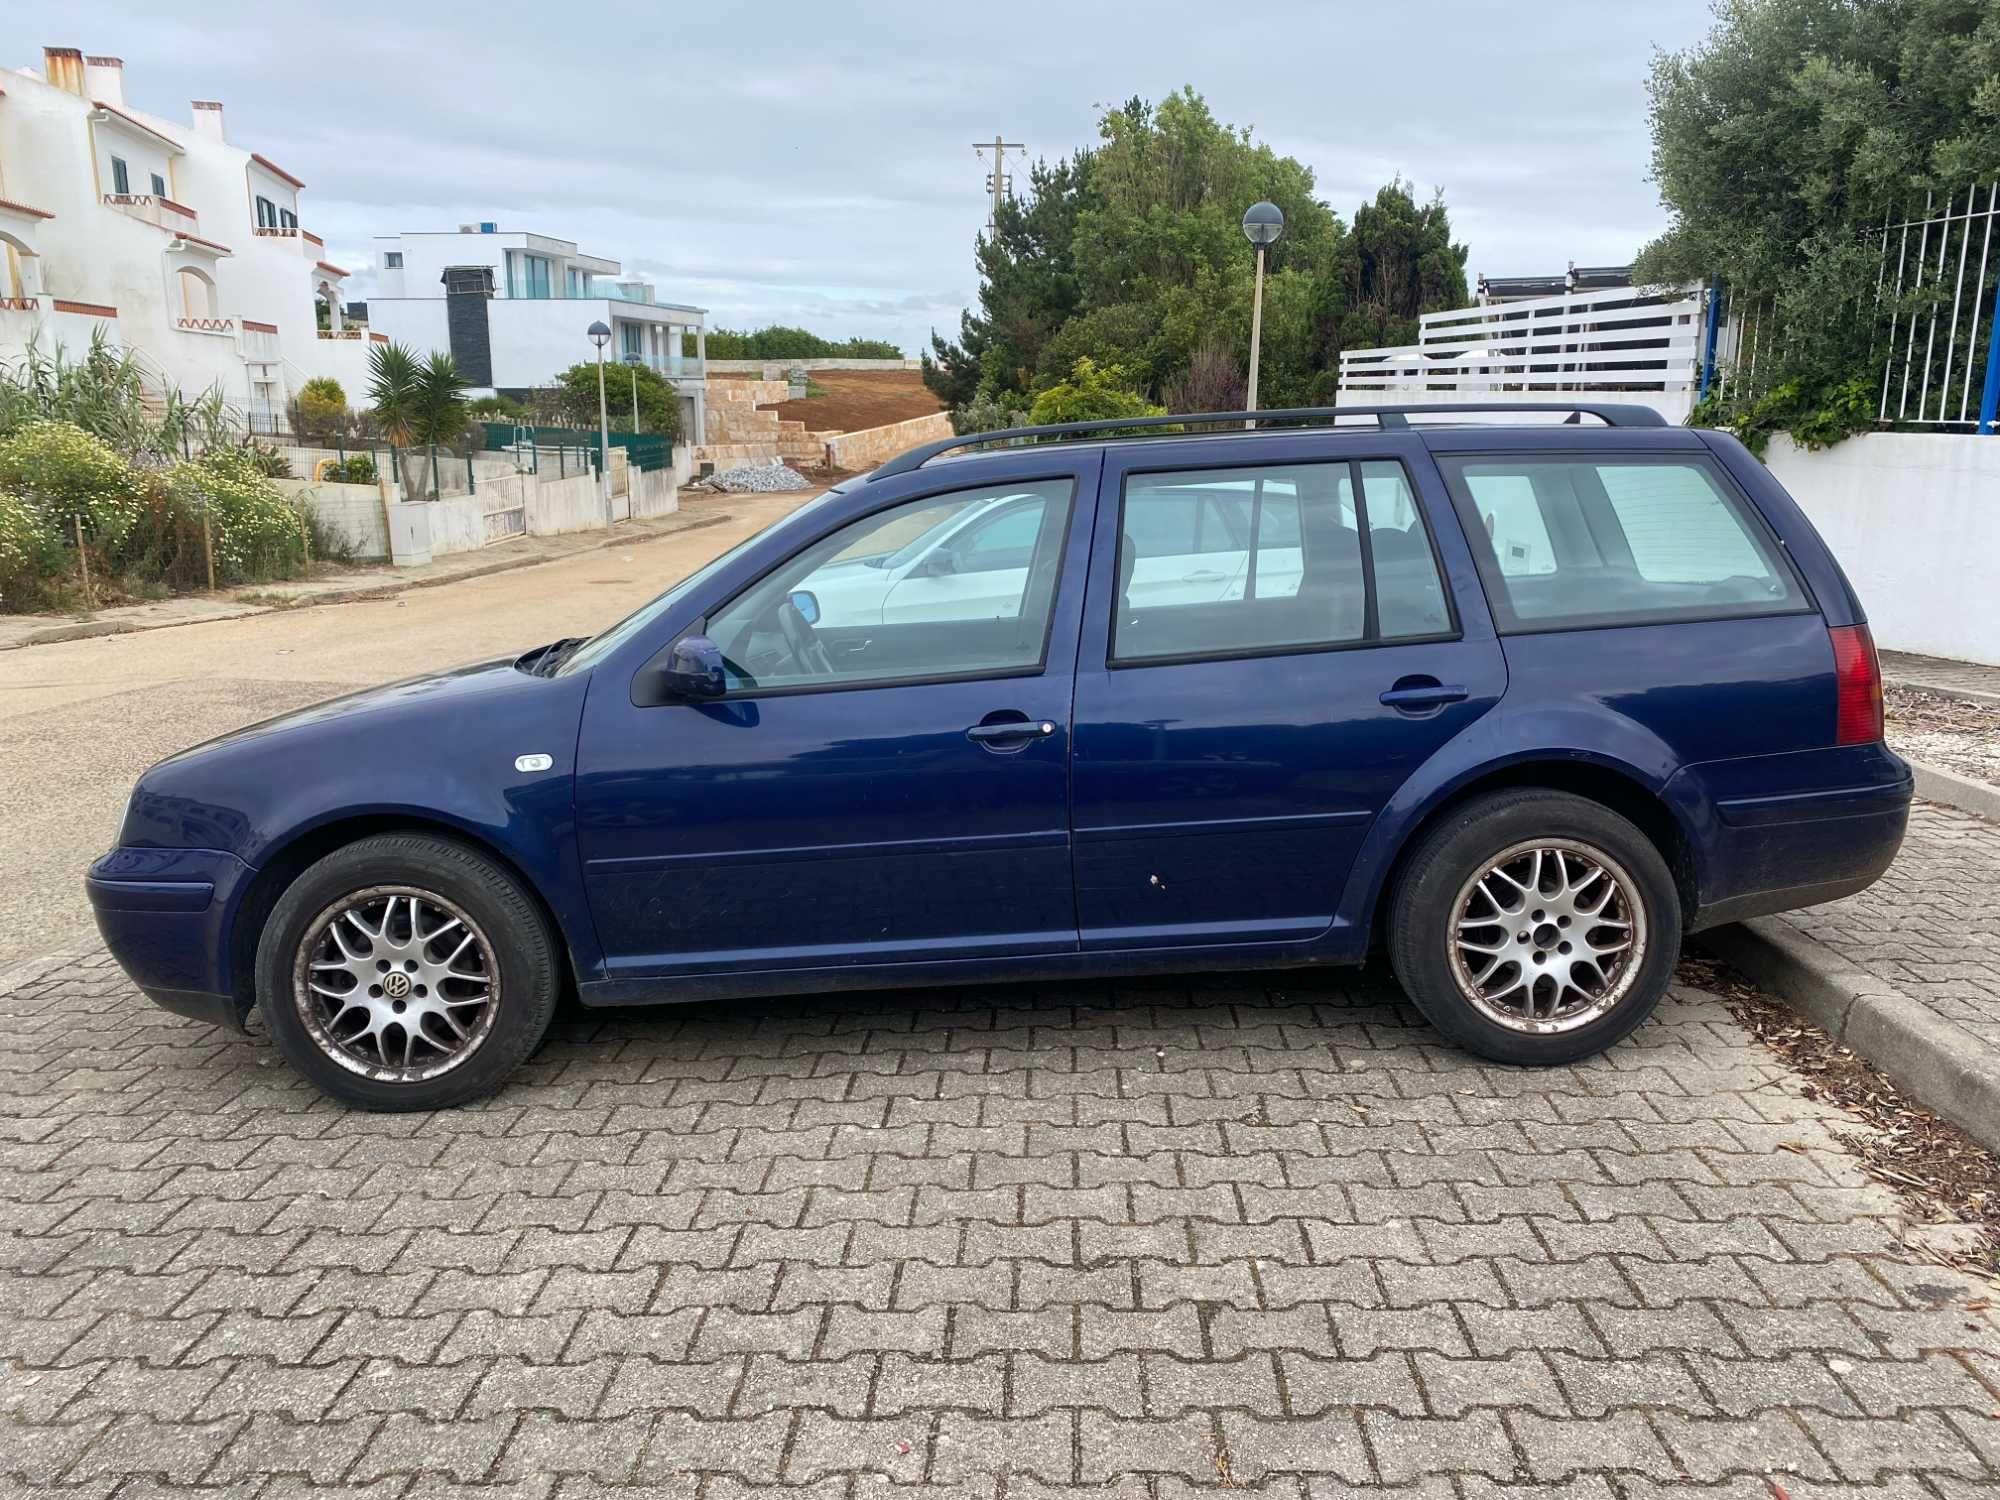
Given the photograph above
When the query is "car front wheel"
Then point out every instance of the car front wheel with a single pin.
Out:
(1534, 926)
(406, 972)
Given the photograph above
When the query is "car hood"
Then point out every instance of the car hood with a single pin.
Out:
(410, 695)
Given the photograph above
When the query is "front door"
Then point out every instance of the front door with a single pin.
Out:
(877, 786)
(1233, 745)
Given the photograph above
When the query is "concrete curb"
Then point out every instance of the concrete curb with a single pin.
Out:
(1935, 784)
(83, 630)
(1938, 1063)
(1962, 695)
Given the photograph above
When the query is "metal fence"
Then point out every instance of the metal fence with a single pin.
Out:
(573, 447)
(1940, 279)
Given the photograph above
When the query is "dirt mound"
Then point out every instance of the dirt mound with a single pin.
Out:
(858, 399)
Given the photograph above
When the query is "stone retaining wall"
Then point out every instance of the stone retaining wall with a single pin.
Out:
(865, 449)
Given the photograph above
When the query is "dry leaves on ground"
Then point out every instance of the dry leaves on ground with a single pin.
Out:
(1961, 737)
(1942, 1174)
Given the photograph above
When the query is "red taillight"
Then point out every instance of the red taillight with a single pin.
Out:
(1858, 681)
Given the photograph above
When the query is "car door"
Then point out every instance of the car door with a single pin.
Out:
(863, 793)
(1230, 754)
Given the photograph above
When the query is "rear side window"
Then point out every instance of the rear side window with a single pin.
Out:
(1574, 541)
(1256, 561)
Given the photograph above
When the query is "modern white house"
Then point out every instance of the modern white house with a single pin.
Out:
(513, 308)
(176, 243)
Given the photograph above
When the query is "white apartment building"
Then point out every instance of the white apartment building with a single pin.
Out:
(178, 244)
(514, 308)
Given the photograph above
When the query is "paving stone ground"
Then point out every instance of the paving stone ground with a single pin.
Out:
(1931, 925)
(1936, 672)
(1140, 1240)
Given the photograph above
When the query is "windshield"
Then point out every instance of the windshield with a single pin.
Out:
(603, 644)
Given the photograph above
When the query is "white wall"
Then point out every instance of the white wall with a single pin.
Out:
(1914, 518)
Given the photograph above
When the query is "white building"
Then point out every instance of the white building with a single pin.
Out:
(512, 308)
(177, 244)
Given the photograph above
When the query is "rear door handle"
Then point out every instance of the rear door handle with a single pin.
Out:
(1424, 695)
(1203, 577)
(1005, 734)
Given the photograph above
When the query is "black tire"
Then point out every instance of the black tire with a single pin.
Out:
(1425, 911)
(522, 950)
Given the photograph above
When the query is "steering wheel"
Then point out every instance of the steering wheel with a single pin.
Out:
(808, 655)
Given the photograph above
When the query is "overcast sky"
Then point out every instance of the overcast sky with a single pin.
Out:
(812, 163)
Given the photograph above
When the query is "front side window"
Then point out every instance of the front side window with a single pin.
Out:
(121, 175)
(1288, 557)
(951, 586)
(1577, 541)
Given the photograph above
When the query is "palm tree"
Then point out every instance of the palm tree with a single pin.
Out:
(393, 377)
(440, 407)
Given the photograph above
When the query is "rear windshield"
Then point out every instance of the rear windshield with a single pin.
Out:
(1571, 541)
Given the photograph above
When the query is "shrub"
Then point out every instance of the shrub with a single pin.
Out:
(254, 528)
(322, 408)
(497, 408)
(30, 553)
(359, 469)
(69, 476)
(1093, 393)
(988, 412)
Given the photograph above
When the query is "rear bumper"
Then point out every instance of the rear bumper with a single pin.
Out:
(165, 916)
(1775, 833)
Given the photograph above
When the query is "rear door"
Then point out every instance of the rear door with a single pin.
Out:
(1232, 748)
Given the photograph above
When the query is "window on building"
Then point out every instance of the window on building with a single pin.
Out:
(392, 260)
(159, 186)
(578, 282)
(287, 219)
(267, 213)
(1568, 542)
(1236, 562)
(532, 278)
(631, 338)
(121, 175)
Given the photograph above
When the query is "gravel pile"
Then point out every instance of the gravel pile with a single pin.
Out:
(759, 479)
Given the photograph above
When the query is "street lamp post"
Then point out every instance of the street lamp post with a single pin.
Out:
(1263, 223)
(635, 359)
(600, 336)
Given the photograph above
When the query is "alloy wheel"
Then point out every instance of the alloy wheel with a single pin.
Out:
(1548, 936)
(396, 983)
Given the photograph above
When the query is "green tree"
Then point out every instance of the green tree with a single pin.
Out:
(1131, 254)
(780, 342)
(1780, 144)
(575, 398)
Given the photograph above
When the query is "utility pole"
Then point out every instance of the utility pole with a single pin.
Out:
(1000, 182)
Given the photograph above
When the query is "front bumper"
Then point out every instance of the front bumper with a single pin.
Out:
(166, 915)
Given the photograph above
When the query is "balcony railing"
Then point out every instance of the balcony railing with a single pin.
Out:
(19, 304)
(163, 212)
(356, 334)
(225, 326)
(685, 368)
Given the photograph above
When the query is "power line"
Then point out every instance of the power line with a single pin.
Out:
(999, 182)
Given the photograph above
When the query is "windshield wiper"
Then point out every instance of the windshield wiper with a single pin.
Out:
(555, 654)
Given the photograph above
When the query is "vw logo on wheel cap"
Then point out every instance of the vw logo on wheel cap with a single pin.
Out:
(396, 984)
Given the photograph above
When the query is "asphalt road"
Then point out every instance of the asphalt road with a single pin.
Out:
(81, 719)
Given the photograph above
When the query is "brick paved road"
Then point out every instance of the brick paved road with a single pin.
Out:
(1133, 1240)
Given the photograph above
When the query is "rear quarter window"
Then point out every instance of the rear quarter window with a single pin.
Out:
(1574, 541)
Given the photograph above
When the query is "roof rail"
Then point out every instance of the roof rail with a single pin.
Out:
(1611, 414)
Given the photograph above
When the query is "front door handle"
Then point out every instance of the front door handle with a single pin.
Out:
(1010, 732)
(1203, 577)
(1418, 694)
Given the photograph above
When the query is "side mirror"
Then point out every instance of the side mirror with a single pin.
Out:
(806, 602)
(938, 564)
(694, 672)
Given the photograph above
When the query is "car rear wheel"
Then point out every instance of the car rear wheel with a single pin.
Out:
(1534, 926)
(406, 972)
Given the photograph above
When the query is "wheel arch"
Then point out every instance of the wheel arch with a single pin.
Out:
(1609, 784)
(286, 861)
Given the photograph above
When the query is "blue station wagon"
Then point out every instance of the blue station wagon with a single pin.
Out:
(1516, 702)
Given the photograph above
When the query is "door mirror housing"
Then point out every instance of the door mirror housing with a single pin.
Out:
(806, 602)
(938, 564)
(694, 671)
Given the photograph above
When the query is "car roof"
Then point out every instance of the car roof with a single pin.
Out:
(1347, 421)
